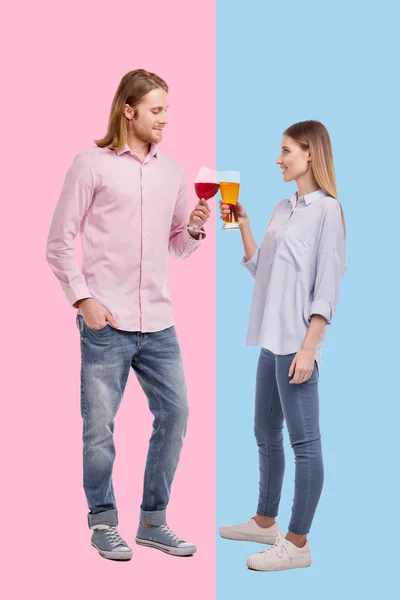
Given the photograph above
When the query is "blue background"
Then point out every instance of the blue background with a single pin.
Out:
(278, 63)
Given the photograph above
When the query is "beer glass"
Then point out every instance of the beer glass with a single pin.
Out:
(229, 184)
(206, 187)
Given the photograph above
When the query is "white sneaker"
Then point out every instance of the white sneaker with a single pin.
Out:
(281, 556)
(250, 532)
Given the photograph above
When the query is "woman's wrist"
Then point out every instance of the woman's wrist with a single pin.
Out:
(309, 347)
(245, 226)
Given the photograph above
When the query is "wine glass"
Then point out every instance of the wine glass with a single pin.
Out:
(206, 187)
(229, 185)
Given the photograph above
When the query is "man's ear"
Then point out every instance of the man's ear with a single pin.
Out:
(129, 112)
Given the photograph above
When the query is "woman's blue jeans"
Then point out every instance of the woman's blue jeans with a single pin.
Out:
(277, 400)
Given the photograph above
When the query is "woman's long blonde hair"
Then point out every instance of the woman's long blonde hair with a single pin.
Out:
(133, 86)
(313, 136)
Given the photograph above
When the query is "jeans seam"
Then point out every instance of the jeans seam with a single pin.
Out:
(83, 399)
(269, 446)
(309, 465)
(162, 431)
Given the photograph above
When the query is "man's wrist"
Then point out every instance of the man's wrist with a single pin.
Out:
(195, 235)
(79, 302)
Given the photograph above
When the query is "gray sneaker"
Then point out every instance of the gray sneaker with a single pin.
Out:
(162, 538)
(110, 544)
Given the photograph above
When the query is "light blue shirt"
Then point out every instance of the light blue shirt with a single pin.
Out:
(297, 272)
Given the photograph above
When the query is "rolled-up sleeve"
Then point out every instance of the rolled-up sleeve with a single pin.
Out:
(252, 263)
(73, 204)
(330, 264)
(181, 243)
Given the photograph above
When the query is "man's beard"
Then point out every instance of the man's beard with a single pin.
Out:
(146, 138)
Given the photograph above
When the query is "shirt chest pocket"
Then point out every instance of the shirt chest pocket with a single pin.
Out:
(295, 248)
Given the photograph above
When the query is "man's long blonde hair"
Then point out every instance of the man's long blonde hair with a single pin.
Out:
(133, 86)
(313, 136)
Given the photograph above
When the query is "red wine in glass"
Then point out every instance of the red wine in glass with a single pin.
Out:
(205, 187)
(206, 190)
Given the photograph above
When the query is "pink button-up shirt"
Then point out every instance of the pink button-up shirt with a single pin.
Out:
(129, 214)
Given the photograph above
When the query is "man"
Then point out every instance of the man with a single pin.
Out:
(130, 203)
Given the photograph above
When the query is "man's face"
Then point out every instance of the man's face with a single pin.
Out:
(149, 117)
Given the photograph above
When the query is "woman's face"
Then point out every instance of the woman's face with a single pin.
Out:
(293, 160)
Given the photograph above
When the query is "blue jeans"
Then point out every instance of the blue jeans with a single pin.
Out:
(298, 404)
(107, 355)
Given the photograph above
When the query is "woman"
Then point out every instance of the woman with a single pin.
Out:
(297, 273)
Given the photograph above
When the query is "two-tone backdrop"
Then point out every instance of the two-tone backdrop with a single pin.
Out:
(239, 74)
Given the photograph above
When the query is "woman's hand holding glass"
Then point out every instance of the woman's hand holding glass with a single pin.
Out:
(240, 211)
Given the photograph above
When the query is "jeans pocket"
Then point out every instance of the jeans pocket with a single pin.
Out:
(94, 330)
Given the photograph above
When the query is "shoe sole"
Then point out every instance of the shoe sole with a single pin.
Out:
(240, 538)
(121, 556)
(254, 567)
(166, 549)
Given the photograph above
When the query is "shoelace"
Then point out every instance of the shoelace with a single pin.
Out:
(113, 537)
(278, 547)
(244, 524)
(170, 533)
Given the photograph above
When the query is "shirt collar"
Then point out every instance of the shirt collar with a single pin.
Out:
(308, 198)
(152, 152)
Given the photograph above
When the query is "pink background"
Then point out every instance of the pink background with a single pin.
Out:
(64, 62)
